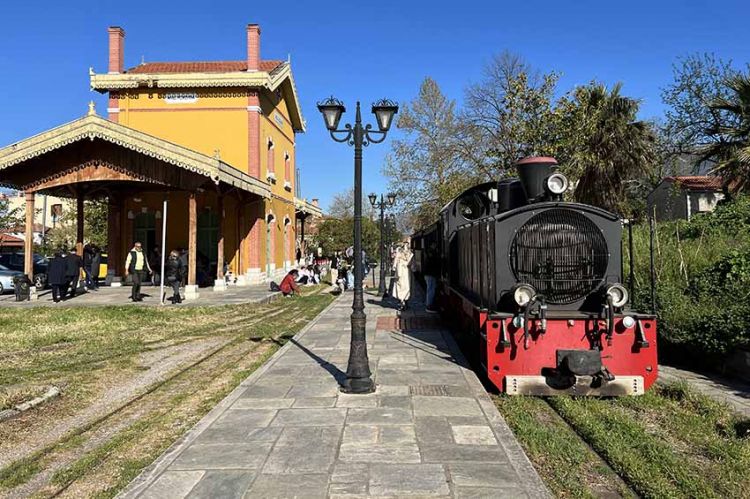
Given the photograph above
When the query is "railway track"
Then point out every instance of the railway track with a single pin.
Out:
(242, 352)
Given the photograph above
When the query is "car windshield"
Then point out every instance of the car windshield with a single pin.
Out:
(40, 259)
(3, 267)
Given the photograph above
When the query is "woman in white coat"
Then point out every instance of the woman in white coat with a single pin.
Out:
(402, 263)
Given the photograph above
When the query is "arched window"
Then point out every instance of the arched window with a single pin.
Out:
(271, 165)
(287, 167)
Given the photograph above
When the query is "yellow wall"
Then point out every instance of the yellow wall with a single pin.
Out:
(217, 120)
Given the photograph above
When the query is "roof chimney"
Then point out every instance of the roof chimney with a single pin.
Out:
(253, 47)
(116, 49)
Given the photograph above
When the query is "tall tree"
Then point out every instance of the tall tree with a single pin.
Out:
(342, 205)
(94, 225)
(424, 166)
(336, 234)
(601, 144)
(507, 115)
(10, 218)
(731, 154)
(691, 123)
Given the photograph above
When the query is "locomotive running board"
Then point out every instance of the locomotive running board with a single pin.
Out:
(537, 385)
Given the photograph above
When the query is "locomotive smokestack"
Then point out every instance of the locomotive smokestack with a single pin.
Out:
(532, 172)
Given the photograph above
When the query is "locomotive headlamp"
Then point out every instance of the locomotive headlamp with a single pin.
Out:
(557, 183)
(523, 294)
(618, 294)
(628, 322)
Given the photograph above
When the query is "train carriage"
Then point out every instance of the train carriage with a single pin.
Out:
(535, 285)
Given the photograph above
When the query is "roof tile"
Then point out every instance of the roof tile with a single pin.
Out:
(199, 67)
(698, 182)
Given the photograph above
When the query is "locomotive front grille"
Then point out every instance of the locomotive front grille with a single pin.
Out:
(562, 253)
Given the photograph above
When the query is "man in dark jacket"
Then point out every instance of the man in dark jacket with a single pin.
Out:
(73, 265)
(173, 272)
(56, 276)
(88, 255)
(96, 260)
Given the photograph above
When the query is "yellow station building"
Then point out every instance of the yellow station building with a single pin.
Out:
(215, 139)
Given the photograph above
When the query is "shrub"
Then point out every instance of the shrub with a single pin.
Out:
(702, 280)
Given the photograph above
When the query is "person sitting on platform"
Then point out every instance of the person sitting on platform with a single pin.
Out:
(301, 277)
(288, 285)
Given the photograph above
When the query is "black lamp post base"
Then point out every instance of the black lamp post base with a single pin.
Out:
(358, 386)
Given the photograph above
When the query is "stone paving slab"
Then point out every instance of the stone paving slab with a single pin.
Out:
(736, 393)
(429, 430)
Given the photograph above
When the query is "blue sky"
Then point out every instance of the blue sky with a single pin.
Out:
(355, 51)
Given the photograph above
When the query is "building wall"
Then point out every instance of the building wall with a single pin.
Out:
(215, 120)
(18, 201)
(669, 202)
(208, 120)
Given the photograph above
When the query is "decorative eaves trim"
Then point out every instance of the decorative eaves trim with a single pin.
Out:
(94, 127)
(306, 207)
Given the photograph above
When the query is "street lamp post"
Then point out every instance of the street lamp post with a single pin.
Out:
(382, 205)
(358, 376)
(391, 226)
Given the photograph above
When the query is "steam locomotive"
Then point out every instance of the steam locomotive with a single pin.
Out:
(534, 285)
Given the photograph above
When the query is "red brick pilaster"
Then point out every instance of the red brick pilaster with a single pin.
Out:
(253, 135)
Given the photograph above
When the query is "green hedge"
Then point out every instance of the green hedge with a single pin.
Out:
(702, 280)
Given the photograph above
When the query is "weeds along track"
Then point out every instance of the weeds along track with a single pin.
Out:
(56, 466)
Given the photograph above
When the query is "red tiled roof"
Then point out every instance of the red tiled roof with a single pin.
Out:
(200, 67)
(699, 182)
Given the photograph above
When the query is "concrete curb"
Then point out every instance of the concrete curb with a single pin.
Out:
(51, 393)
(149, 474)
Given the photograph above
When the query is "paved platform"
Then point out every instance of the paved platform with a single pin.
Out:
(733, 392)
(233, 295)
(429, 430)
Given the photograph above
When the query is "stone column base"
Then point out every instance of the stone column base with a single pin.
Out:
(242, 280)
(191, 292)
(220, 285)
(255, 276)
(112, 280)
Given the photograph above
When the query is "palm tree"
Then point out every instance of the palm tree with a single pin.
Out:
(731, 153)
(602, 145)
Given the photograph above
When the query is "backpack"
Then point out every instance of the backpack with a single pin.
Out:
(275, 287)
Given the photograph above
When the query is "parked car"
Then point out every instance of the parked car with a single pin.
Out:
(6, 278)
(15, 261)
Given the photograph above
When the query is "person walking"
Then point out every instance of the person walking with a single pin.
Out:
(96, 260)
(402, 263)
(334, 268)
(56, 276)
(431, 273)
(88, 255)
(136, 266)
(73, 266)
(173, 273)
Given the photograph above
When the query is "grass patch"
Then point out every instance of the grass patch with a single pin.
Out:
(568, 466)
(106, 467)
(670, 442)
